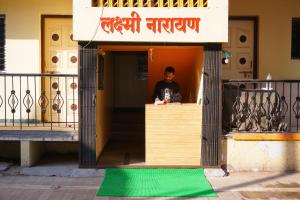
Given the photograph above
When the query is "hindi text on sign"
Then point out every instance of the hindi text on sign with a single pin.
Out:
(169, 25)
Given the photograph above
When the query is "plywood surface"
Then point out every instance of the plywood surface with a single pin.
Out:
(173, 134)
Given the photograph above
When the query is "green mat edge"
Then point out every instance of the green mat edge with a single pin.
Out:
(212, 195)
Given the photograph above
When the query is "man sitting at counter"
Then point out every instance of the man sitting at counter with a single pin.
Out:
(167, 90)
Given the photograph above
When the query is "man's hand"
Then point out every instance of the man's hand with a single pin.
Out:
(167, 101)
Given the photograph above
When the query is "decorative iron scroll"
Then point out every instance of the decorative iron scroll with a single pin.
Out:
(1, 101)
(28, 101)
(296, 108)
(43, 102)
(13, 101)
(259, 110)
(58, 101)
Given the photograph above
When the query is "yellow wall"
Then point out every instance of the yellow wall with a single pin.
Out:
(274, 34)
(195, 79)
(23, 31)
(104, 106)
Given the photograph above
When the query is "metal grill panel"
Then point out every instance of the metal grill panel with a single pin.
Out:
(87, 102)
(211, 134)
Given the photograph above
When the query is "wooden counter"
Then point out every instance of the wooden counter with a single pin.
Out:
(173, 134)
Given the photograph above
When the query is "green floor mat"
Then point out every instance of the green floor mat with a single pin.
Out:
(155, 183)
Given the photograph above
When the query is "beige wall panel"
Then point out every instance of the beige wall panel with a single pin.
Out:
(264, 155)
(173, 134)
(274, 34)
(23, 31)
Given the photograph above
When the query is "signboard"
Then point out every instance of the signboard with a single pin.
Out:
(149, 24)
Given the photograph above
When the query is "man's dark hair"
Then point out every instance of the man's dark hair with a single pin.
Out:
(170, 69)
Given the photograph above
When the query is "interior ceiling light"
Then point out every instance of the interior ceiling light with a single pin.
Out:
(150, 53)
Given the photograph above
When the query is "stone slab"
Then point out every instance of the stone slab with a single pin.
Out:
(61, 171)
(36, 135)
(214, 172)
(5, 165)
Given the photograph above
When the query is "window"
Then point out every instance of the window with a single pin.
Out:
(296, 38)
(2, 42)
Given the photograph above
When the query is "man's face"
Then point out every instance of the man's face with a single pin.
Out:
(169, 76)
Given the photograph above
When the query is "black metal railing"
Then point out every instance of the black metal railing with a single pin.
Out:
(261, 106)
(39, 100)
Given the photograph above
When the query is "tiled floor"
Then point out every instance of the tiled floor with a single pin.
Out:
(126, 145)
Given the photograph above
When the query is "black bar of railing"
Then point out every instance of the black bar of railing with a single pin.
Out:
(5, 101)
(290, 119)
(42, 102)
(297, 113)
(58, 102)
(66, 93)
(12, 79)
(28, 104)
(35, 111)
(50, 98)
(20, 101)
(73, 90)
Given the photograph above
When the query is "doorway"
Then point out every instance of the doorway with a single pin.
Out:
(241, 49)
(59, 56)
(126, 76)
(128, 93)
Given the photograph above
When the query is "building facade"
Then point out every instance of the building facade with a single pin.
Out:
(98, 62)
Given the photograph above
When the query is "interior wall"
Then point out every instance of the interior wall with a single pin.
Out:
(274, 35)
(195, 80)
(104, 105)
(184, 60)
(129, 91)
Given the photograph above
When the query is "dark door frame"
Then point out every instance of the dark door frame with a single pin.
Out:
(211, 142)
